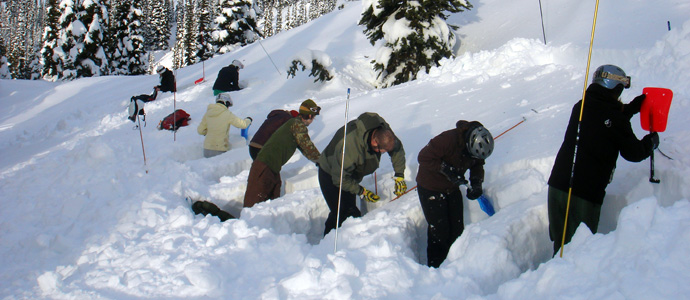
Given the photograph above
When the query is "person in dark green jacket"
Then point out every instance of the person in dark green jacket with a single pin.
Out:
(367, 138)
(264, 176)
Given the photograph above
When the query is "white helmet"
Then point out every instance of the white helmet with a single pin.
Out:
(238, 64)
(160, 69)
(225, 99)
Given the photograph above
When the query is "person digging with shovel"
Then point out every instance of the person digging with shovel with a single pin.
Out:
(604, 133)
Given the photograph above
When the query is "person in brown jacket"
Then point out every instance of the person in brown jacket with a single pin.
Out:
(442, 166)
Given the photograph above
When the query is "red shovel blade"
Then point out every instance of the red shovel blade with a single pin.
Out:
(654, 111)
(199, 80)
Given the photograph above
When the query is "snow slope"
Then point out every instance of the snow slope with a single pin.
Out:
(82, 216)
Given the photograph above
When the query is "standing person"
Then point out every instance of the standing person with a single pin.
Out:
(264, 176)
(167, 79)
(228, 78)
(605, 132)
(215, 125)
(274, 120)
(442, 166)
(367, 138)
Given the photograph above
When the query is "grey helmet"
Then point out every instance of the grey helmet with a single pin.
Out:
(610, 76)
(480, 142)
(225, 99)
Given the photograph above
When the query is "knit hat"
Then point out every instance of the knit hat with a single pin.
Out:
(309, 107)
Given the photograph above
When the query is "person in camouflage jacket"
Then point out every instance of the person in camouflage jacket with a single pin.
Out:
(264, 180)
(367, 138)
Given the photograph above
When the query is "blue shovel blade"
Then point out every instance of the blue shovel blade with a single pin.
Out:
(486, 206)
(245, 132)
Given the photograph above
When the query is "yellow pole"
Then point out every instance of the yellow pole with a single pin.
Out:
(582, 106)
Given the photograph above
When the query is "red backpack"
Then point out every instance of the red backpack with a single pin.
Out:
(174, 120)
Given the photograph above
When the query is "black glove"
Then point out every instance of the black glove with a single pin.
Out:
(474, 192)
(651, 141)
(634, 106)
(453, 174)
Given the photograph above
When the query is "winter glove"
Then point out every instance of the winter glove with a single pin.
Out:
(651, 141)
(368, 195)
(474, 192)
(634, 106)
(453, 174)
(400, 186)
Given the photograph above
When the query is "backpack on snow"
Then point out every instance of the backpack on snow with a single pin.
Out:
(136, 107)
(174, 120)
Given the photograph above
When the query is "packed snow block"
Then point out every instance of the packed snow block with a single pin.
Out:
(305, 180)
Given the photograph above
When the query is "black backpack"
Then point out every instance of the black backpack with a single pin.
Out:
(205, 208)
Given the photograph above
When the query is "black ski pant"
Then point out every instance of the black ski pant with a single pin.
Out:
(348, 202)
(443, 212)
(581, 211)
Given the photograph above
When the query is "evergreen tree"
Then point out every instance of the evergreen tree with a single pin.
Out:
(158, 25)
(428, 40)
(51, 62)
(190, 34)
(70, 39)
(235, 25)
(127, 54)
(204, 39)
(92, 60)
(18, 30)
(136, 60)
(4, 69)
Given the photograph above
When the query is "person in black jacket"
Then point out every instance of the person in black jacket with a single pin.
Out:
(167, 80)
(443, 163)
(605, 132)
(228, 78)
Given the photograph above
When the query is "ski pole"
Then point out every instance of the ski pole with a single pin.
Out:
(542, 23)
(579, 122)
(141, 135)
(342, 166)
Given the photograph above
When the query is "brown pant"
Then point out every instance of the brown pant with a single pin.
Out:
(262, 184)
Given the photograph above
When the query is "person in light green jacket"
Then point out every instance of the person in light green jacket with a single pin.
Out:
(367, 138)
(215, 125)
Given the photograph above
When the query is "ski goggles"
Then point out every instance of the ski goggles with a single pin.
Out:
(625, 80)
(316, 109)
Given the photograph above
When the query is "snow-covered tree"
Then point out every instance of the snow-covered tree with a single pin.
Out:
(92, 60)
(204, 37)
(127, 54)
(70, 39)
(190, 34)
(235, 24)
(158, 25)
(4, 69)
(415, 33)
(51, 61)
(317, 62)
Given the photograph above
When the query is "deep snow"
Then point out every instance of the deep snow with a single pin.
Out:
(80, 217)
